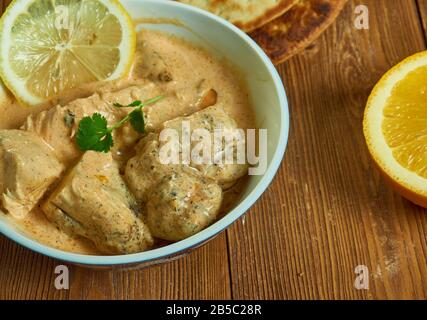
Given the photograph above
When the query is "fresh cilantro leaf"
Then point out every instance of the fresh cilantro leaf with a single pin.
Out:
(93, 134)
(104, 144)
(136, 103)
(137, 120)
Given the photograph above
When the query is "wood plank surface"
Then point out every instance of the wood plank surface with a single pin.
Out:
(327, 211)
(204, 274)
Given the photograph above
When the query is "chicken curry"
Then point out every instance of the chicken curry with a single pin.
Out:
(123, 201)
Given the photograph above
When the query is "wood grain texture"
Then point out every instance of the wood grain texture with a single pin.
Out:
(327, 211)
(422, 7)
(204, 274)
(4, 4)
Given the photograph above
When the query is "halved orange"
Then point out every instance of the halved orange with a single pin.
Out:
(395, 127)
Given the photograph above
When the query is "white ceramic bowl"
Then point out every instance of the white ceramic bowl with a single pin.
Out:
(270, 103)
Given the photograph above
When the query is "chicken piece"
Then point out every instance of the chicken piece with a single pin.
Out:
(93, 202)
(27, 169)
(150, 64)
(179, 103)
(144, 171)
(211, 119)
(86, 90)
(179, 201)
(58, 126)
(182, 205)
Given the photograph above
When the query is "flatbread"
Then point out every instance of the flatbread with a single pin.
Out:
(296, 29)
(245, 14)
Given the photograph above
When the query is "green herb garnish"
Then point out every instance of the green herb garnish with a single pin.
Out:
(94, 133)
(137, 120)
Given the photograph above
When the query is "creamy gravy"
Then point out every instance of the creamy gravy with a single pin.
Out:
(189, 66)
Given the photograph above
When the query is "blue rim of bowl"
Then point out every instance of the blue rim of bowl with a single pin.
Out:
(216, 228)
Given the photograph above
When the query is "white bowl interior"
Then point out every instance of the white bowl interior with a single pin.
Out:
(267, 94)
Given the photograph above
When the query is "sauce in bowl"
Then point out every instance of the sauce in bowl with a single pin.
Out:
(169, 65)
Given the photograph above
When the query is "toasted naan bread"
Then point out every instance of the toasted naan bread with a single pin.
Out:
(296, 29)
(246, 14)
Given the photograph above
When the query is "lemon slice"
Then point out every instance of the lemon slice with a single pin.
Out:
(49, 46)
(395, 127)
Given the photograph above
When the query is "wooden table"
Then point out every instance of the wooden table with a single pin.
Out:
(327, 211)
